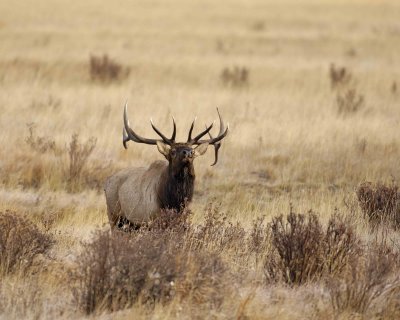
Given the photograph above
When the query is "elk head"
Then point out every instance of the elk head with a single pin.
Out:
(176, 182)
(179, 155)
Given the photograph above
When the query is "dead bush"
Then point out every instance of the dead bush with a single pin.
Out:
(302, 251)
(23, 299)
(170, 219)
(105, 70)
(258, 239)
(340, 243)
(339, 76)
(349, 102)
(21, 242)
(365, 280)
(78, 155)
(236, 77)
(218, 233)
(297, 253)
(41, 144)
(148, 266)
(64, 166)
(380, 203)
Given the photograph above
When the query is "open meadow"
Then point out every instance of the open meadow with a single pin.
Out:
(299, 219)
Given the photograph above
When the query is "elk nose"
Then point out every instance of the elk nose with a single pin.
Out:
(187, 153)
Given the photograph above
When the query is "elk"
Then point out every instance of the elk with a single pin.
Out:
(136, 195)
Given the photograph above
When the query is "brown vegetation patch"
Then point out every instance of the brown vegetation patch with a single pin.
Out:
(339, 76)
(236, 77)
(58, 166)
(380, 203)
(21, 242)
(104, 69)
(78, 153)
(115, 271)
(303, 251)
(365, 280)
(348, 100)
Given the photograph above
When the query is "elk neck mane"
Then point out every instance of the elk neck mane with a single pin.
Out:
(176, 188)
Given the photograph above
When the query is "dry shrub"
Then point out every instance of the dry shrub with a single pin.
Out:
(104, 69)
(167, 219)
(340, 243)
(41, 144)
(218, 233)
(60, 166)
(349, 102)
(78, 153)
(171, 219)
(380, 203)
(236, 77)
(258, 239)
(365, 280)
(303, 251)
(339, 76)
(23, 299)
(149, 266)
(21, 242)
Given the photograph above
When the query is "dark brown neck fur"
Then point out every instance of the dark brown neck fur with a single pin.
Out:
(176, 187)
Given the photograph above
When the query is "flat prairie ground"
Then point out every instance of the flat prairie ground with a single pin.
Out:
(300, 138)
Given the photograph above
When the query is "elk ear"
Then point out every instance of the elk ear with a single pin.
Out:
(201, 149)
(163, 148)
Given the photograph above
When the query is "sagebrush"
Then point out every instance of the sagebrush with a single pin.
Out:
(21, 243)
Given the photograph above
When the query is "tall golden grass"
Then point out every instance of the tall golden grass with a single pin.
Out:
(298, 139)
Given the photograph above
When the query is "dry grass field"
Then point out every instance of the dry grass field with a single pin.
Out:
(311, 90)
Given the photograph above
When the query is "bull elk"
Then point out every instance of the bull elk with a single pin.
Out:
(136, 195)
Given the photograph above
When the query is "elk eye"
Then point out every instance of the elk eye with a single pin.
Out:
(173, 153)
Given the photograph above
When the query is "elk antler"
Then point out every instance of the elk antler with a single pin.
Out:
(129, 134)
(216, 142)
(217, 145)
(200, 135)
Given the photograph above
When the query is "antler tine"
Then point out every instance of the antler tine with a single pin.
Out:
(165, 139)
(129, 134)
(222, 132)
(174, 131)
(191, 130)
(125, 138)
(216, 148)
(221, 123)
(196, 139)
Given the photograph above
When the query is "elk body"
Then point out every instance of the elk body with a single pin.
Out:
(136, 195)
